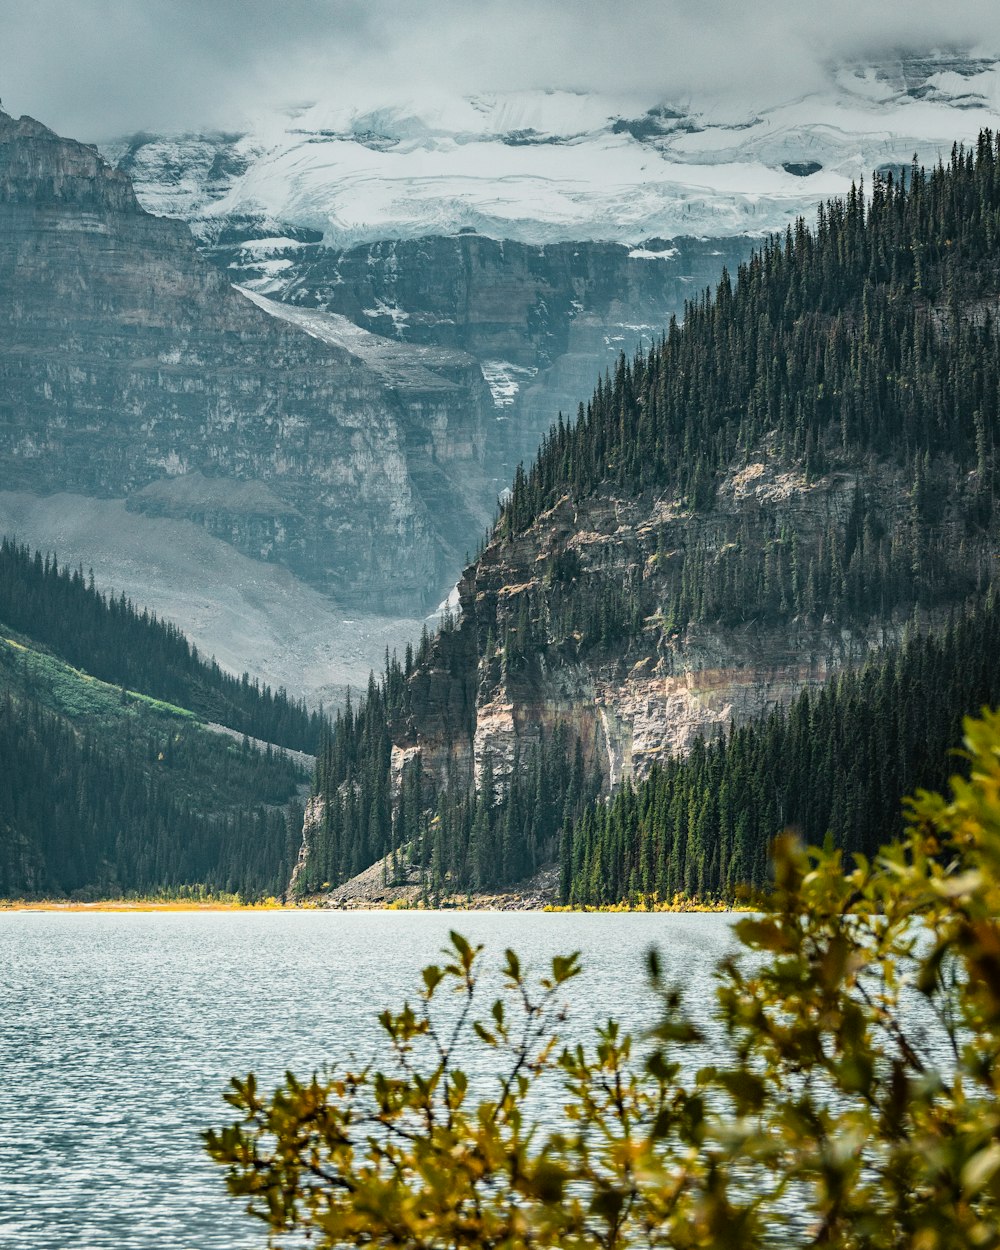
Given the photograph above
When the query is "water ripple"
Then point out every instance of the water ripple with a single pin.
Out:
(119, 1032)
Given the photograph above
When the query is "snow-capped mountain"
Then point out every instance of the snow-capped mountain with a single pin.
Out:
(545, 166)
(540, 231)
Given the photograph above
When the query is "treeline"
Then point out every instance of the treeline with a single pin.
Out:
(862, 335)
(464, 841)
(111, 639)
(836, 764)
(147, 811)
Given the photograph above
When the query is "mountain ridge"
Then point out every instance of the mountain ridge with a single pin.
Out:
(129, 362)
(802, 472)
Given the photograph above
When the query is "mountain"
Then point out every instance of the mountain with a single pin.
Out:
(542, 167)
(801, 473)
(132, 369)
(540, 231)
(539, 320)
(128, 764)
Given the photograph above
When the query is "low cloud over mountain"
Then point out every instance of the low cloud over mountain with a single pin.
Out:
(101, 67)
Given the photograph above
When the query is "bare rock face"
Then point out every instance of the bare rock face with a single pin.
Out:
(541, 320)
(640, 700)
(129, 367)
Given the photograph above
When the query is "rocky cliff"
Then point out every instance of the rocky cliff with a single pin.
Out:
(129, 367)
(642, 699)
(567, 634)
(541, 321)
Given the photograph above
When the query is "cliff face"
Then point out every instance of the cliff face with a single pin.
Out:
(541, 321)
(639, 701)
(130, 367)
(447, 419)
(538, 322)
(493, 298)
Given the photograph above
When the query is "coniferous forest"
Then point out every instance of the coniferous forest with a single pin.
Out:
(88, 815)
(871, 339)
(834, 765)
(115, 641)
(865, 345)
(108, 787)
(873, 332)
(473, 841)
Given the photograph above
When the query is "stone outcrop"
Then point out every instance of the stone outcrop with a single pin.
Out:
(643, 699)
(381, 886)
(129, 367)
(312, 819)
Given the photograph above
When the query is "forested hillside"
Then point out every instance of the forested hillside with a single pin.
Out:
(106, 791)
(115, 641)
(471, 841)
(871, 338)
(802, 471)
(81, 817)
(835, 764)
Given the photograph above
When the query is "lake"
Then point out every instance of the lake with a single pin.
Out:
(119, 1033)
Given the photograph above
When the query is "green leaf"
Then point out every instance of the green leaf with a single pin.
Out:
(433, 976)
(565, 966)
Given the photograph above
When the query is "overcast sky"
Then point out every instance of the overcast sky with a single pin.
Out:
(98, 68)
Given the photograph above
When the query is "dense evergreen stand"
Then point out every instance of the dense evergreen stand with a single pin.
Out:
(862, 335)
(835, 764)
(866, 344)
(83, 815)
(113, 640)
(106, 792)
(103, 814)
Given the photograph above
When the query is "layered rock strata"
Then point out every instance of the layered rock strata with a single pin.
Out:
(129, 367)
(542, 321)
(650, 695)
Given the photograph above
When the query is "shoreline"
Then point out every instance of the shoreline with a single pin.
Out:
(139, 905)
(491, 903)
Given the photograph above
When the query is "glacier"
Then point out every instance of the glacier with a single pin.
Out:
(542, 166)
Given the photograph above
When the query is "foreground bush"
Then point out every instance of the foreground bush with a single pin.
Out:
(849, 1098)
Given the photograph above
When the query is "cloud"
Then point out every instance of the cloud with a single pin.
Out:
(95, 68)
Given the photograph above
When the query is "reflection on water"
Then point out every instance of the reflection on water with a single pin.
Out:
(119, 1032)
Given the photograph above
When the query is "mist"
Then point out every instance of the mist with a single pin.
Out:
(98, 68)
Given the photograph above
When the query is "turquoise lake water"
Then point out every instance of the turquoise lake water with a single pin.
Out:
(119, 1033)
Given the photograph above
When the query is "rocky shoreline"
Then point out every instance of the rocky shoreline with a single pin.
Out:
(377, 888)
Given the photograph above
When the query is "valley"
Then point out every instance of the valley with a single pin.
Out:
(499, 625)
(312, 445)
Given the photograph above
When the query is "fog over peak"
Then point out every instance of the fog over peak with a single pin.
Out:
(96, 68)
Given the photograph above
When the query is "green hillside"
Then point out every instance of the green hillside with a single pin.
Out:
(118, 642)
(105, 791)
